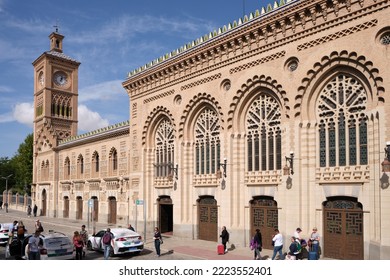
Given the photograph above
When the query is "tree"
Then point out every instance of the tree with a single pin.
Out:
(5, 170)
(22, 164)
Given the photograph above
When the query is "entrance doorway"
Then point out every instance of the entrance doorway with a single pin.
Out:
(95, 209)
(264, 216)
(44, 201)
(65, 213)
(343, 228)
(165, 214)
(208, 218)
(79, 208)
(111, 210)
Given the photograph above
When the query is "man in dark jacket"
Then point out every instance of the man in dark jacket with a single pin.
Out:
(225, 238)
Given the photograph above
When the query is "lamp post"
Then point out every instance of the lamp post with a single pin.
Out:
(6, 192)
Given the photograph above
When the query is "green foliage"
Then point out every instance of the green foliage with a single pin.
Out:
(20, 166)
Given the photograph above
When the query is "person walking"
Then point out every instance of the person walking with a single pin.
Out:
(259, 244)
(157, 241)
(224, 238)
(35, 210)
(84, 237)
(33, 247)
(78, 244)
(277, 241)
(38, 226)
(29, 210)
(107, 240)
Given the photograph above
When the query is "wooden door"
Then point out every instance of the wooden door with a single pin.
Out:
(343, 229)
(44, 202)
(112, 210)
(66, 207)
(79, 208)
(264, 216)
(95, 209)
(208, 219)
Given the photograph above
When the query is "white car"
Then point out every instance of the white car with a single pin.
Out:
(4, 229)
(53, 246)
(125, 241)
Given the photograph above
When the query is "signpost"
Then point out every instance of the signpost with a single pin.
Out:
(90, 206)
(141, 202)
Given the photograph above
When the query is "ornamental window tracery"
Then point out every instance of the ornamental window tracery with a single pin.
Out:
(113, 162)
(165, 148)
(67, 169)
(342, 123)
(207, 142)
(264, 141)
(80, 166)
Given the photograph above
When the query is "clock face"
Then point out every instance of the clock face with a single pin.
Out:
(41, 79)
(60, 78)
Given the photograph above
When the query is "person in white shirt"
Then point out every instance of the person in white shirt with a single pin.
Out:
(277, 241)
(297, 234)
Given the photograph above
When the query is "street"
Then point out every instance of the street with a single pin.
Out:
(68, 226)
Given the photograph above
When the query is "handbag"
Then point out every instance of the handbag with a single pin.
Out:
(161, 241)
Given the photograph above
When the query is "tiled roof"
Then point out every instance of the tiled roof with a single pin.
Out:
(93, 133)
(61, 55)
(252, 16)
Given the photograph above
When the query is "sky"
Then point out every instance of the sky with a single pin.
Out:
(109, 37)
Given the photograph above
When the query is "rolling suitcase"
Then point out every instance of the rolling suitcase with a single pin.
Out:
(312, 254)
(220, 249)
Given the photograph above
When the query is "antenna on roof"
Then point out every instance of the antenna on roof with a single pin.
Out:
(243, 8)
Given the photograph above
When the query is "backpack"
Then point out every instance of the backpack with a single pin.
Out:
(253, 244)
(298, 247)
(107, 238)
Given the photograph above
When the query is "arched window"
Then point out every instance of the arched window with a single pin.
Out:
(80, 166)
(165, 148)
(47, 168)
(67, 169)
(207, 142)
(113, 161)
(342, 123)
(95, 164)
(264, 141)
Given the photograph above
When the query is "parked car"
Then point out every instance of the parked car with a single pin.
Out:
(4, 229)
(124, 241)
(53, 246)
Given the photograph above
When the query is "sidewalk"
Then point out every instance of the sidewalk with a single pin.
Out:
(206, 250)
(194, 249)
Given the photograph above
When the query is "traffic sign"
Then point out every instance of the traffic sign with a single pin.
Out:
(139, 202)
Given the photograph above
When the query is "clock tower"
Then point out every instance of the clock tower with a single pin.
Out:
(55, 96)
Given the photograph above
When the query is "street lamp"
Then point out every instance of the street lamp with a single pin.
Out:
(6, 191)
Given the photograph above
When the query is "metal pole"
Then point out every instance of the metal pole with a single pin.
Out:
(144, 220)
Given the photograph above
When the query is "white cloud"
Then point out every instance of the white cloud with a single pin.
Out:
(89, 120)
(102, 91)
(24, 113)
